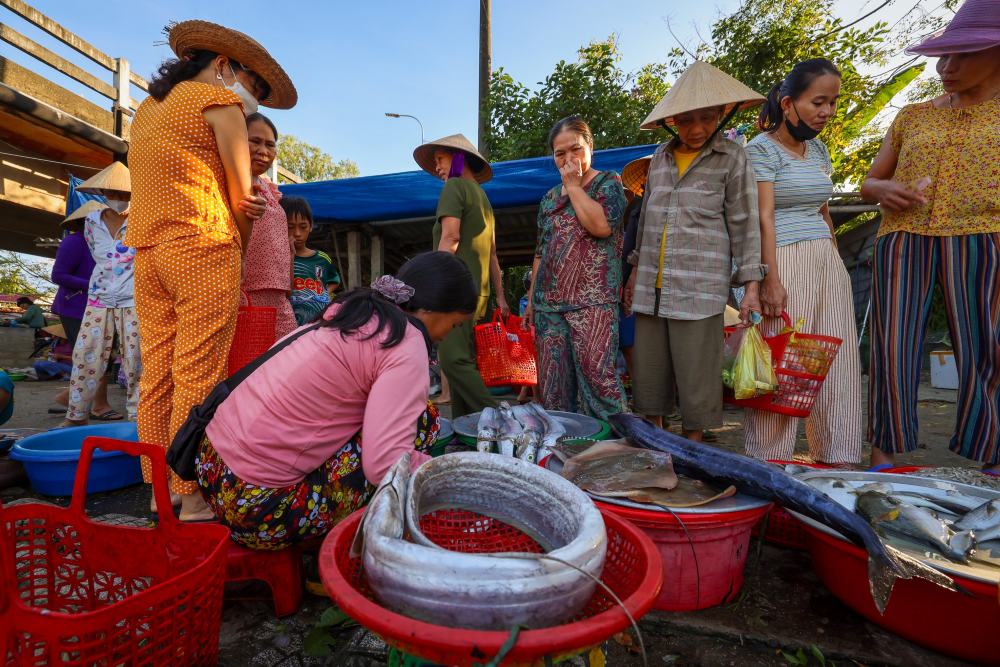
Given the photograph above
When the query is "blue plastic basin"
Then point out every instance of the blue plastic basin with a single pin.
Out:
(50, 459)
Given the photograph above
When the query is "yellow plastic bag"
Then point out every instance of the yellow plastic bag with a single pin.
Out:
(752, 374)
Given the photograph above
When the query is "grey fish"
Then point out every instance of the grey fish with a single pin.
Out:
(619, 473)
(984, 519)
(969, 476)
(889, 514)
(770, 482)
(491, 591)
(532, 431)
(489, 429)
(554, 430)
(510, 431)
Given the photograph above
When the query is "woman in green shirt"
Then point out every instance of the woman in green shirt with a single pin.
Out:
(464, 228)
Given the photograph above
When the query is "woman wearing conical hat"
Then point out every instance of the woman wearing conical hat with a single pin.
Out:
(191, 217)
(464, 228)
(937, 181)
(110, 307)
(699, 215)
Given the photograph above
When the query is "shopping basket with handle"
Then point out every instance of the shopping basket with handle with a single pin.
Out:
(255, 333)
(505, 352)
(801, 362)
(74, 591)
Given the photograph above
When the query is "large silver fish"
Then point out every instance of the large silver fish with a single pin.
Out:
(983, 521)
(891, 515)
(532, 431)
(554, 430)
(510, 431)
(483, 591)
(765, 480)
(488, 430)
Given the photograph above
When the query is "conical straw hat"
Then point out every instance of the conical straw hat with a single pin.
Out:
(701, 86)
(57, 330)
(635, 173)
(114, 177)
(188, 36)
(424, 155)
(84, 210)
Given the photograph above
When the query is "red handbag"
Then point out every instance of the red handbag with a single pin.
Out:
(505, 353)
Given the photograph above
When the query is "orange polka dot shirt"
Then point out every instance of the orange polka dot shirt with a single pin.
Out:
(178, 181)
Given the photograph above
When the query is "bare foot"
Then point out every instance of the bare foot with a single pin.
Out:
(70, 422)
(881, 458)
(175, 500)
(696, 436)
(194, 508)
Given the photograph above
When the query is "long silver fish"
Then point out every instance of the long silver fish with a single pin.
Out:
(532, 430)
(488, 429)
(891, 515)
(770, 482)
(983, 522)
(483, 591)
(554, 430)
(510, 431)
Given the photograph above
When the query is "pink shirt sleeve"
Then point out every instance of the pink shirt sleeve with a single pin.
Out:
(396, 399)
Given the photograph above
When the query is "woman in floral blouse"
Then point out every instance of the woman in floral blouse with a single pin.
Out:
(577, 279)
(936, 178)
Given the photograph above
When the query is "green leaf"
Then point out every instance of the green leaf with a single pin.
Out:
(334, 617)
(818, 654)
(864, 113)
(318, 643)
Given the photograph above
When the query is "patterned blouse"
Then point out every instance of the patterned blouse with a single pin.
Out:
(577, 269)
(268, 264)
(178, 181)
(111, 283)
(959, 150)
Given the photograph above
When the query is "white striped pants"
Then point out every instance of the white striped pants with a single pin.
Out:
(819, 290)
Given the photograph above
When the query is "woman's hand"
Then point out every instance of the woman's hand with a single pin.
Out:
(750, 303)
(773, 297)
(629, 292)
(502, 305)
(253, 205)
(895, 196)
(529, 315)
(572, 173)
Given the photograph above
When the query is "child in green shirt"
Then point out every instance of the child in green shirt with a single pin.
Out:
(314, 277)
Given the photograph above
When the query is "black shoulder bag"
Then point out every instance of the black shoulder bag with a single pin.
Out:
(184, 448)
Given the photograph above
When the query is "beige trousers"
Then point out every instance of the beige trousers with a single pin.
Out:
(819, 291)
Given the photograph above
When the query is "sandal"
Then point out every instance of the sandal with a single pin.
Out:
(108, 416)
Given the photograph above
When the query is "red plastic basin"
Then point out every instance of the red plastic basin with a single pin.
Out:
(782, 528)
(964, 626)
(702, 567)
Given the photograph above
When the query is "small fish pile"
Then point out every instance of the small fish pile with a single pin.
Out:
(616, 469)
(525, 431)
(969, 476)
(412, 575)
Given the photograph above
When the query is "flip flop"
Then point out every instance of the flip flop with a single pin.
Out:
(108, 416)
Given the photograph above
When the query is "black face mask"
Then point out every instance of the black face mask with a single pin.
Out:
(800, 131)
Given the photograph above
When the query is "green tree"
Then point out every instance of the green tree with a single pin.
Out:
(21, 276)
(595, 87)
(310, 163)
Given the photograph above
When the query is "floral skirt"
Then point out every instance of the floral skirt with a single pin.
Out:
(269, 518)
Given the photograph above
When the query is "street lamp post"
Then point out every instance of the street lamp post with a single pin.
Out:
(406, 115)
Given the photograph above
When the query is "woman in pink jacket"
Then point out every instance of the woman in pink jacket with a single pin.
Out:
(300, 443)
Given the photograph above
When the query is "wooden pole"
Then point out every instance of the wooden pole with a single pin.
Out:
(378, 256)
(485, 51)
(353, 259)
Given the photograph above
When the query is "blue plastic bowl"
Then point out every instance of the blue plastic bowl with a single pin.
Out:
(50, 459)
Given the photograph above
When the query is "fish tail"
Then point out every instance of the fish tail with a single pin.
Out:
(887, 564)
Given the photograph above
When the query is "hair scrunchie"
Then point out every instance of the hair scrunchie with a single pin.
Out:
(393, 289)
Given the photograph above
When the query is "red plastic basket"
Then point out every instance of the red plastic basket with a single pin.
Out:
(781, 528)
(801, 362)
(632, 570)
(505, 353)
(255, 333)
(80, 592)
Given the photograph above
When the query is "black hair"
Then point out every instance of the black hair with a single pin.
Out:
(441, 284)
(21, 300)
(793, 85)
(175, 70)
(256, 116)
(297, 206)
(572, 124)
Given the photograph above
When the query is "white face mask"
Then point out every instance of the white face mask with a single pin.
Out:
(119, 206)
(249, 101)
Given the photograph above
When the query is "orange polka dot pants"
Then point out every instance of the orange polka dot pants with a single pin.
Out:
(186, 297)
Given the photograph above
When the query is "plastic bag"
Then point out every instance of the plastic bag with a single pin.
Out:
(752, 374)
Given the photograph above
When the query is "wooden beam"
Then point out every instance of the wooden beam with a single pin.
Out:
(353, 259)
(42, 54)
(378, 256)
(288, 175)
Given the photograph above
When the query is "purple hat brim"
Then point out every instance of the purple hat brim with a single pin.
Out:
(959, 40)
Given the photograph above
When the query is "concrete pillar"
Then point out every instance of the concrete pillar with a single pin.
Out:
(353, 259)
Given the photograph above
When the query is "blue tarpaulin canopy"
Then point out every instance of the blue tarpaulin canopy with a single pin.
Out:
(414, 194)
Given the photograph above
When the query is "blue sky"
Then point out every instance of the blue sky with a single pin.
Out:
(353, 61)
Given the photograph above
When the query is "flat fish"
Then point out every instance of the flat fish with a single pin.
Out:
(484, 591)
(687, 493)
(617, 473)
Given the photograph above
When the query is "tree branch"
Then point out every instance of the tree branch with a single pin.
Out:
(854, 22)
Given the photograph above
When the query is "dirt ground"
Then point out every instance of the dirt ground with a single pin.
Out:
(783, 607)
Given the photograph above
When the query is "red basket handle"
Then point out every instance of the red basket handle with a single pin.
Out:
(246, 295)
(157, 458)
(785, 317)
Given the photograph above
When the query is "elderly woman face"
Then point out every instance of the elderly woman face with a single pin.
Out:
(695, 127)
(961, 72)
(569, 146)
(442, 163)
(263, 147)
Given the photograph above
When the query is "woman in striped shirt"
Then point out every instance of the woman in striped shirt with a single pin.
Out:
(805, 275)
